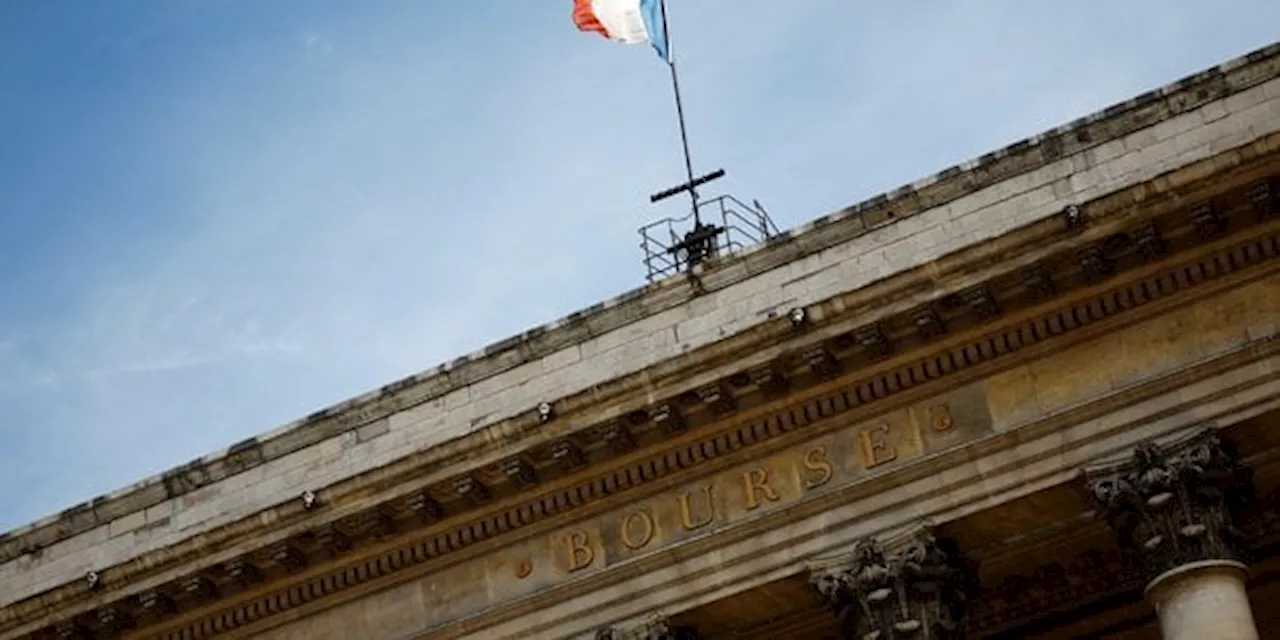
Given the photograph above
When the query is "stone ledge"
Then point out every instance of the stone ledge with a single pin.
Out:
(876, 213)
(1092, 405)
(709, 569)
(862, 293)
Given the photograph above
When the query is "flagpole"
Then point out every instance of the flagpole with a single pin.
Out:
(684, 136)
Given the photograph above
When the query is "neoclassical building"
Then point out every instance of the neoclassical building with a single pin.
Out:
(1036, 395)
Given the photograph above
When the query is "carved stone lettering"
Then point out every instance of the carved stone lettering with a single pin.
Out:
(687, 511)
(731, 495)
(757, 484)
(940, 418)
(875, 446)
(818, 466)
(580, 554)
(637, 529)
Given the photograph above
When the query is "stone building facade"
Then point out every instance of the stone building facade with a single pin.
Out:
(1036, 395)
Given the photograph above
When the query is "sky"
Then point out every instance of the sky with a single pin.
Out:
(217, 216)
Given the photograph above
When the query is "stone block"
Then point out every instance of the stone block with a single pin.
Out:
(1212, 111)
(1124, 165)
(373, 430)
(920, 222)
(1104, 153)
(1221, 323)
(126, 524)
(160, 512)
(631, 337)
(1258, 118)
(1070, 377)
(505, 380)
(561, 359)
(931, 241)
(1154, 347)
(1140, 139)
(408, 418)
(1085, 182)
(1230, 141)
(1191, 140)
(1245, 100)
(1178, 125)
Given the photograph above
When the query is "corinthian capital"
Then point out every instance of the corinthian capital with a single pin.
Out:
(1174, 504)
(915, 589)
(656, 628)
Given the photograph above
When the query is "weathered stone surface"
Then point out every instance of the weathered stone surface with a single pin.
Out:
(1175, 504)
(1209, 602)
(918, 590)
(460, 420)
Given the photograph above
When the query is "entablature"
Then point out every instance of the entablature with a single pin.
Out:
(892, 346)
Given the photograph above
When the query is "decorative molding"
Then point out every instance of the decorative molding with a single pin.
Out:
(156, 604)
(1175, 504)
(872, 388)
(1095, 574)
(872, 339)
(471, 489)
(287, 556)
(568, 454)
(981, 302)
(928, 322)
(719, 399)
(425, 507)
(520, 471)
(1141, 112)
(1263, 195)
(618, 437)
(1039, 281)
(656, 628)
(70, 630)
(243, 572)
(915, 590)
(1094, 263)
(1208, 220)
(199, 588)
(115, 620)
(822, 362)
(1150, 243)
(667, 418)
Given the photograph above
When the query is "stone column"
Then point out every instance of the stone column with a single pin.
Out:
(913, 589)
(1174, 507)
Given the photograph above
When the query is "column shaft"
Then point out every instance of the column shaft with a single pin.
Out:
(1174, 508)
(1204, 600)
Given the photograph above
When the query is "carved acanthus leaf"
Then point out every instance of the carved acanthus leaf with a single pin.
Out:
(917, 590)
(656, 628)
(1171, 505)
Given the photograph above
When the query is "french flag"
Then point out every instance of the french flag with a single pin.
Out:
(627, 21)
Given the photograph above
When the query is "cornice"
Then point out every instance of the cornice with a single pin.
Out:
(825, 504)
(937, 190)
(709, 429)
(1062, 584)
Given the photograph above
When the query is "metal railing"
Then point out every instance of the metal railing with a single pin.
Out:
(727, 226)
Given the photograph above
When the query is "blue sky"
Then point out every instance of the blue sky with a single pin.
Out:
(217, 216)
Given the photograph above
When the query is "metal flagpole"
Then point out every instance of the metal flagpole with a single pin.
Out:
(684, 136)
